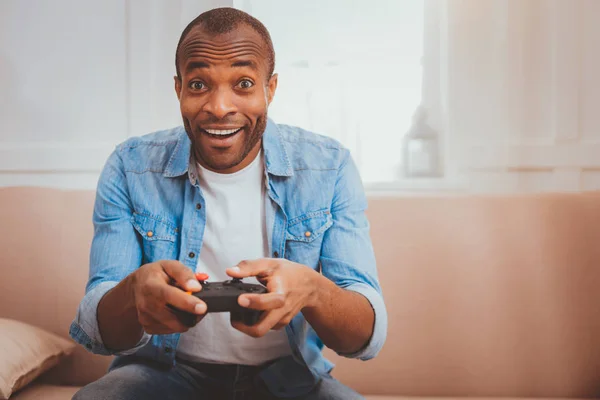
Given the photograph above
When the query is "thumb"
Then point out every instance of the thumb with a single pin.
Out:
(183, 276)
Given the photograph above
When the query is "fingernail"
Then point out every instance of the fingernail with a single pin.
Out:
(193, 284)
(235, 269)
(200, 308)
(244, 302)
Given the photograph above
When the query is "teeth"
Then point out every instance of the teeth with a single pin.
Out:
(222, 132)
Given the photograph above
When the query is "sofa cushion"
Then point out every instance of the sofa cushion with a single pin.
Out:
(27, 352)
(46, 392)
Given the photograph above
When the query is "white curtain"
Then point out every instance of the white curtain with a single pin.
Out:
(513, 86)
(509, 85)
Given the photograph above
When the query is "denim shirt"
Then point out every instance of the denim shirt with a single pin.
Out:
(149, 207)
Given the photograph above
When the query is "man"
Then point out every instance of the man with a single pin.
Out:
(233, 195)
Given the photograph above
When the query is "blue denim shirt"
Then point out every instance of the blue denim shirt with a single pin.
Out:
(148, 185)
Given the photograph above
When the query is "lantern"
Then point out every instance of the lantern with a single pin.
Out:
(421, 148)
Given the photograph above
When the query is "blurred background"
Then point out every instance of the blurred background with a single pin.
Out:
(476, 128)
(484, 96)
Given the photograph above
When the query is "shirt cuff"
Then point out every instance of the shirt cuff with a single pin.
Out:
(375, 343)
(85, 329)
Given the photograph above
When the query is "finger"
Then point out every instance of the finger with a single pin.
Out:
(183, 301)
(264, 325)
(168, 317)
(186, 319)
(267, 301)
(157, 326)
(183, 276)
(260, 267)
(284, 322)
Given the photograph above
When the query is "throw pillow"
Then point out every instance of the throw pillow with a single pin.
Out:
(26, 353)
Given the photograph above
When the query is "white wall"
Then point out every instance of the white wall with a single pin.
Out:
(78, 77)
(516, 93)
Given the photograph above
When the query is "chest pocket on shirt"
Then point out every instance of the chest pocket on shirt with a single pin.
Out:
(159, 238)
(304, 237)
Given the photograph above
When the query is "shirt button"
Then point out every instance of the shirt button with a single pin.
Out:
(307, 234)
(149, 233)
(167, 349)
(192, 254)
(275, 254)
(88, 345)
(198, 206)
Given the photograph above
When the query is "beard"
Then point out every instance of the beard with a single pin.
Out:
(217, 160)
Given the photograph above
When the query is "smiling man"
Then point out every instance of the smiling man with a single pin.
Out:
(233, 195)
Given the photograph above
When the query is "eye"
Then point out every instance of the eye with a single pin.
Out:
(197, 85)
(246, 84)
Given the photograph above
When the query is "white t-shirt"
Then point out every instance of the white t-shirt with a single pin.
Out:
(235, 231)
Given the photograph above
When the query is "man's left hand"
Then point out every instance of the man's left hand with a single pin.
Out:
(291, 287)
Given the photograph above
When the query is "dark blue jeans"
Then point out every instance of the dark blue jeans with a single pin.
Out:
(144, 380)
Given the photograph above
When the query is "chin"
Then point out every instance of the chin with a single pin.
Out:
(220, 163)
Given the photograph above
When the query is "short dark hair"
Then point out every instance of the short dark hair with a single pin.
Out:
(223, 20)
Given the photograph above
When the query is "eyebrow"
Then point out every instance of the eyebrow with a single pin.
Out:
(238, 64)
(245, 63)
(196, 65)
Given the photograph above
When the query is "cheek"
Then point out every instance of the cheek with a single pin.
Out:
(189, 107)
(254, 106)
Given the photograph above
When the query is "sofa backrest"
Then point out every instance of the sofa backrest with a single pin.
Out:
(45, 236)
(487, 296)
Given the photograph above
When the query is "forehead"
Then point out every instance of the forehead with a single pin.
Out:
(241, 42)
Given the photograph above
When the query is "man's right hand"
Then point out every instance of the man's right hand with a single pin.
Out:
(158, 284)
(138, 304)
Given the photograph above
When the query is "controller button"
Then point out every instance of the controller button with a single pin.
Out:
(201, 277)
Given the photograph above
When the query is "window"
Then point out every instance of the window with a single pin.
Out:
(350, 70)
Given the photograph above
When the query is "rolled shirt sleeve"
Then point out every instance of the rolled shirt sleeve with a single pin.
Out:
(347, 255)
(115, 253)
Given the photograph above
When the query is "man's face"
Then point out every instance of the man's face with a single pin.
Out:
(224, 94)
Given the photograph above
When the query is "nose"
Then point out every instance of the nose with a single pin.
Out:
(219, 103)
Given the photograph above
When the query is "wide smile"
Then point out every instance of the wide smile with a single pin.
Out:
(221, 133)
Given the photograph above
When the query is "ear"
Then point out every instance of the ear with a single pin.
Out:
(271, 88)
(177, 86)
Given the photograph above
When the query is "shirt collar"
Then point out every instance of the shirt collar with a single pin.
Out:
(277, 161)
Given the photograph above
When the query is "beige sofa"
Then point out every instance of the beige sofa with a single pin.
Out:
(487, 296)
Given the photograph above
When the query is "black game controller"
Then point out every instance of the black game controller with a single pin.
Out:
(223, 297)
